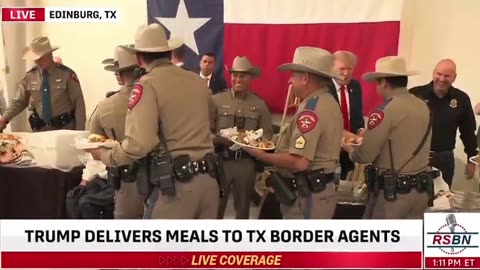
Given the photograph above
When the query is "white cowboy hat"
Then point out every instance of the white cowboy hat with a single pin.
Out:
(312, 60)
(242, 64)
(123, 60)
(389, 66)
(152, 38)
(38, 48)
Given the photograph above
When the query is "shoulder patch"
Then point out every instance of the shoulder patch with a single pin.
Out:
(306, 121)
(312, 103)
(375, 118)
(135, 96)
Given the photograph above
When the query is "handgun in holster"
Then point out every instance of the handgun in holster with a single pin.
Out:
(371, 174)
(36, 123)
(144, 186)
(160, 174)
(284, 190)
(113, 176)
(390, 181)
(424, 183)
(300, 183)
(217, 171)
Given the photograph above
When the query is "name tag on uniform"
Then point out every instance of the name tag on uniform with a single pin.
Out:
(226, 107)
(253, 108)
(33, 82)
(58, 80)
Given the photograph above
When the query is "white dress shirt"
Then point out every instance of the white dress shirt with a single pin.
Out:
(208, 78)
(347, 94)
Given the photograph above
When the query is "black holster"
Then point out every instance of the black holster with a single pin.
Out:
(113, 176)
(217, 171)
(143, 179)
(160, 174)
(36, 123)
(425, 183)
(284, 190)
(371, 175)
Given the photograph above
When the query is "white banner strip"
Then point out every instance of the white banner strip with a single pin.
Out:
(211, 235)
(311, 11)
(82, 15)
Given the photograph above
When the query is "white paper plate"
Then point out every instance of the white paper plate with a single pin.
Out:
(254, 147)
(89, 145)
(474, 160)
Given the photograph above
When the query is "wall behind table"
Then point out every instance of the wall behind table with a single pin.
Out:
(85, 45)
(436, 29)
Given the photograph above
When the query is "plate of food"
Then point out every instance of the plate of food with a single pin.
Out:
(252, 139)
(353, 141)
(13, 151)
(94, 141)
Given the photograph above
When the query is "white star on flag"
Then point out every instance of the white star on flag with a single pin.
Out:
(182, 26)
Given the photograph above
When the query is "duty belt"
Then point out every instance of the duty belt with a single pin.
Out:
(405, 182)
(227, 154)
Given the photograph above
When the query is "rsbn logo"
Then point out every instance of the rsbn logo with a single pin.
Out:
(452, 238)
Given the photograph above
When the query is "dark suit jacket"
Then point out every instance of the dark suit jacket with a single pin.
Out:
(217, 84)
(356, 120)
(356, 104)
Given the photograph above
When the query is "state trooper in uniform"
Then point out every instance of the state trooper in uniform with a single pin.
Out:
(307, 151)
(108, 119)
(397, 143)
(167, 131)
(57, 98)
(239, 107)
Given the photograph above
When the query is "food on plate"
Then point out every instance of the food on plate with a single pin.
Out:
(252, 139)
(94, 138)
(6, 136)
(10, 151)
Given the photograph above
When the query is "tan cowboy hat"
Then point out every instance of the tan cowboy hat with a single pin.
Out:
(152, 38)
(242, 64)
(389, 66)
(38, 48)
(123, 60)
(312, 60)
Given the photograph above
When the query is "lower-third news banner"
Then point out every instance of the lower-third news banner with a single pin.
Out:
(334, 244)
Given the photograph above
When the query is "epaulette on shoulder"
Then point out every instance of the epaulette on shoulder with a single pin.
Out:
(32, 69)
(311, 103)
(111, 93)
(63, 67)
(384, 105)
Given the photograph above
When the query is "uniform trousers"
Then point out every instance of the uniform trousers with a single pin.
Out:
(129, 204)
(407, 206)
(240, 174)
(319, 205)
(195, 199)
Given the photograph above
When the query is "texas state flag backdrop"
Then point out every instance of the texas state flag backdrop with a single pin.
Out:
(268, 31)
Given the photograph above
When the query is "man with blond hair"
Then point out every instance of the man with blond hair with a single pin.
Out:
(348, 93)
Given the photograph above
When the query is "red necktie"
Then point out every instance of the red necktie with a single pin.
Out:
(344, 107)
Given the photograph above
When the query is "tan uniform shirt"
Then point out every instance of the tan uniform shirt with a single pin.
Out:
(403, 119)
(248, 112)
(65, 94)
(315, 131)
(174, 97)
(109, 117)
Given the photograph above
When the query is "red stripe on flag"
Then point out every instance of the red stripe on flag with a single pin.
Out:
(268, 46)
(221, 260)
